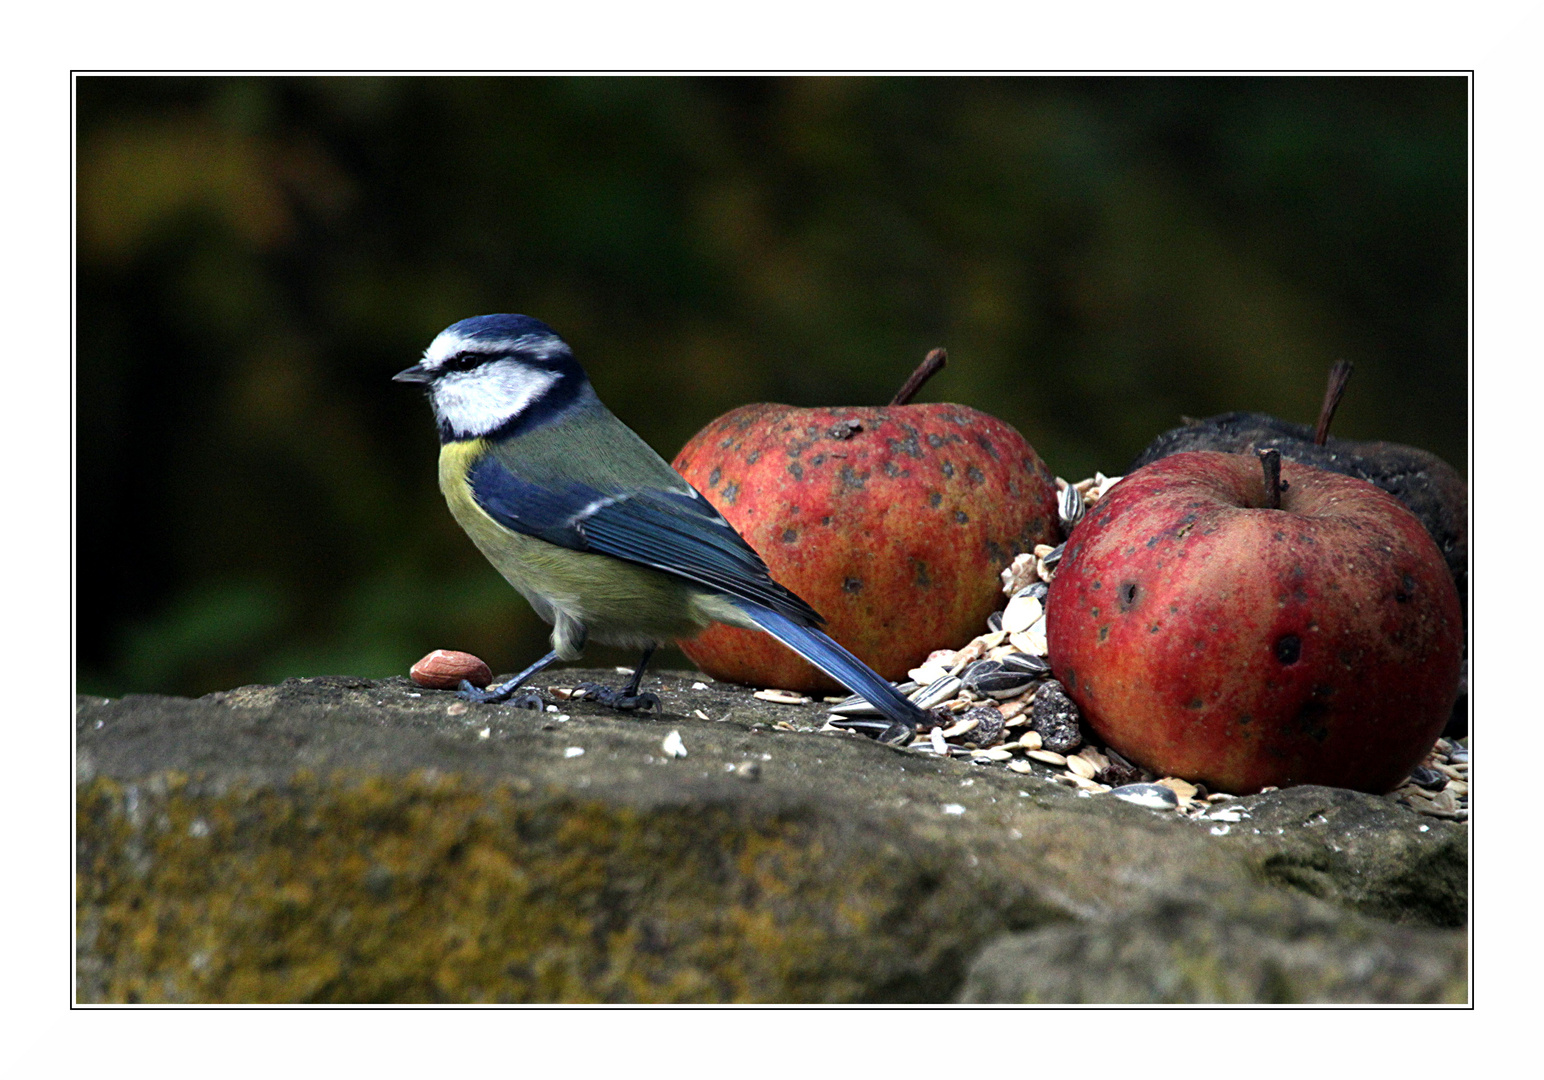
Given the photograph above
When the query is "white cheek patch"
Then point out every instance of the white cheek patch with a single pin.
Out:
(475, 402)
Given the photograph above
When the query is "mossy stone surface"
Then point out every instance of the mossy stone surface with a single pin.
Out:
(349, 840)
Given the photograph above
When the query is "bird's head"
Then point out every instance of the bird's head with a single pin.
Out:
(495, 375)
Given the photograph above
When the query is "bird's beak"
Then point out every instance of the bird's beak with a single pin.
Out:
(415, 374)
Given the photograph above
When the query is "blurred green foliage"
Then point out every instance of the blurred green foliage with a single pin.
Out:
(257, 256)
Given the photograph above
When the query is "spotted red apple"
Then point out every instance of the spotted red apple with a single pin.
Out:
(893, 522)
(1207, 635)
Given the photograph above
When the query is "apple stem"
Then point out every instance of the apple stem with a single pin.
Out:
(925, 371)
(1270, 459)
(1340, 374)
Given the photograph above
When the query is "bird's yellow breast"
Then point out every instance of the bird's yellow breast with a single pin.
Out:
(618, 602)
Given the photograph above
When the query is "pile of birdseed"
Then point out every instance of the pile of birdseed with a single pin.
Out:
(995, 703)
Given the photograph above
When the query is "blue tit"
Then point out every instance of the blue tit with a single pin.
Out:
(606, 540)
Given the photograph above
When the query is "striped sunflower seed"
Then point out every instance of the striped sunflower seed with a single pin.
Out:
(936, 693)
(992, 679)
(1070, 507)
(1038, 666)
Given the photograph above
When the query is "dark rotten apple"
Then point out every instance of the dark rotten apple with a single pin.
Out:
(1209, 636)
(892, 522)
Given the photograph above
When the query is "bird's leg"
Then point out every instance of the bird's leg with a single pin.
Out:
(628, 697)
(503, 691)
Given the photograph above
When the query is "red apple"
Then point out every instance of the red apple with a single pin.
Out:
(892, 522)
(1208, 636)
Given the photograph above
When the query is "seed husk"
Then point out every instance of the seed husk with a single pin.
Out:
(1019, 573)
(782, 697)
(1081, 766)
(1183, 789)
(954, 731)
(1021, 613)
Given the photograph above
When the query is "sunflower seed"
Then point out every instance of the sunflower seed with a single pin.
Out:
(937, 692)
(1038, 666)
(1151, 796)
(994, 621)
(1070, 507)
(1031, 740)
(989, 678)
(1021, 766)
(853, 706)
(1431, 779)
(858, 705)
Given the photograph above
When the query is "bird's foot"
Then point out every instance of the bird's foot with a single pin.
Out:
(877, 727)
(617, 699)
(505, 694)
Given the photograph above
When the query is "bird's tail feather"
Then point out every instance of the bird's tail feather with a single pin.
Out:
(901, 715)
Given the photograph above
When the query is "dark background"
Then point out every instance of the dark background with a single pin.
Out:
(257, 256)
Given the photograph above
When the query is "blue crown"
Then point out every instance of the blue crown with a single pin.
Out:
(494, 327)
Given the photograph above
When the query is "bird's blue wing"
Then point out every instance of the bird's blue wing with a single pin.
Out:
(677, 532)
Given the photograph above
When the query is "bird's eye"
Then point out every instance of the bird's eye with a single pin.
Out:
(462, 361)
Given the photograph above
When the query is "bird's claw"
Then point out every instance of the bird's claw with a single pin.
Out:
(501, 694)
(617, 699)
